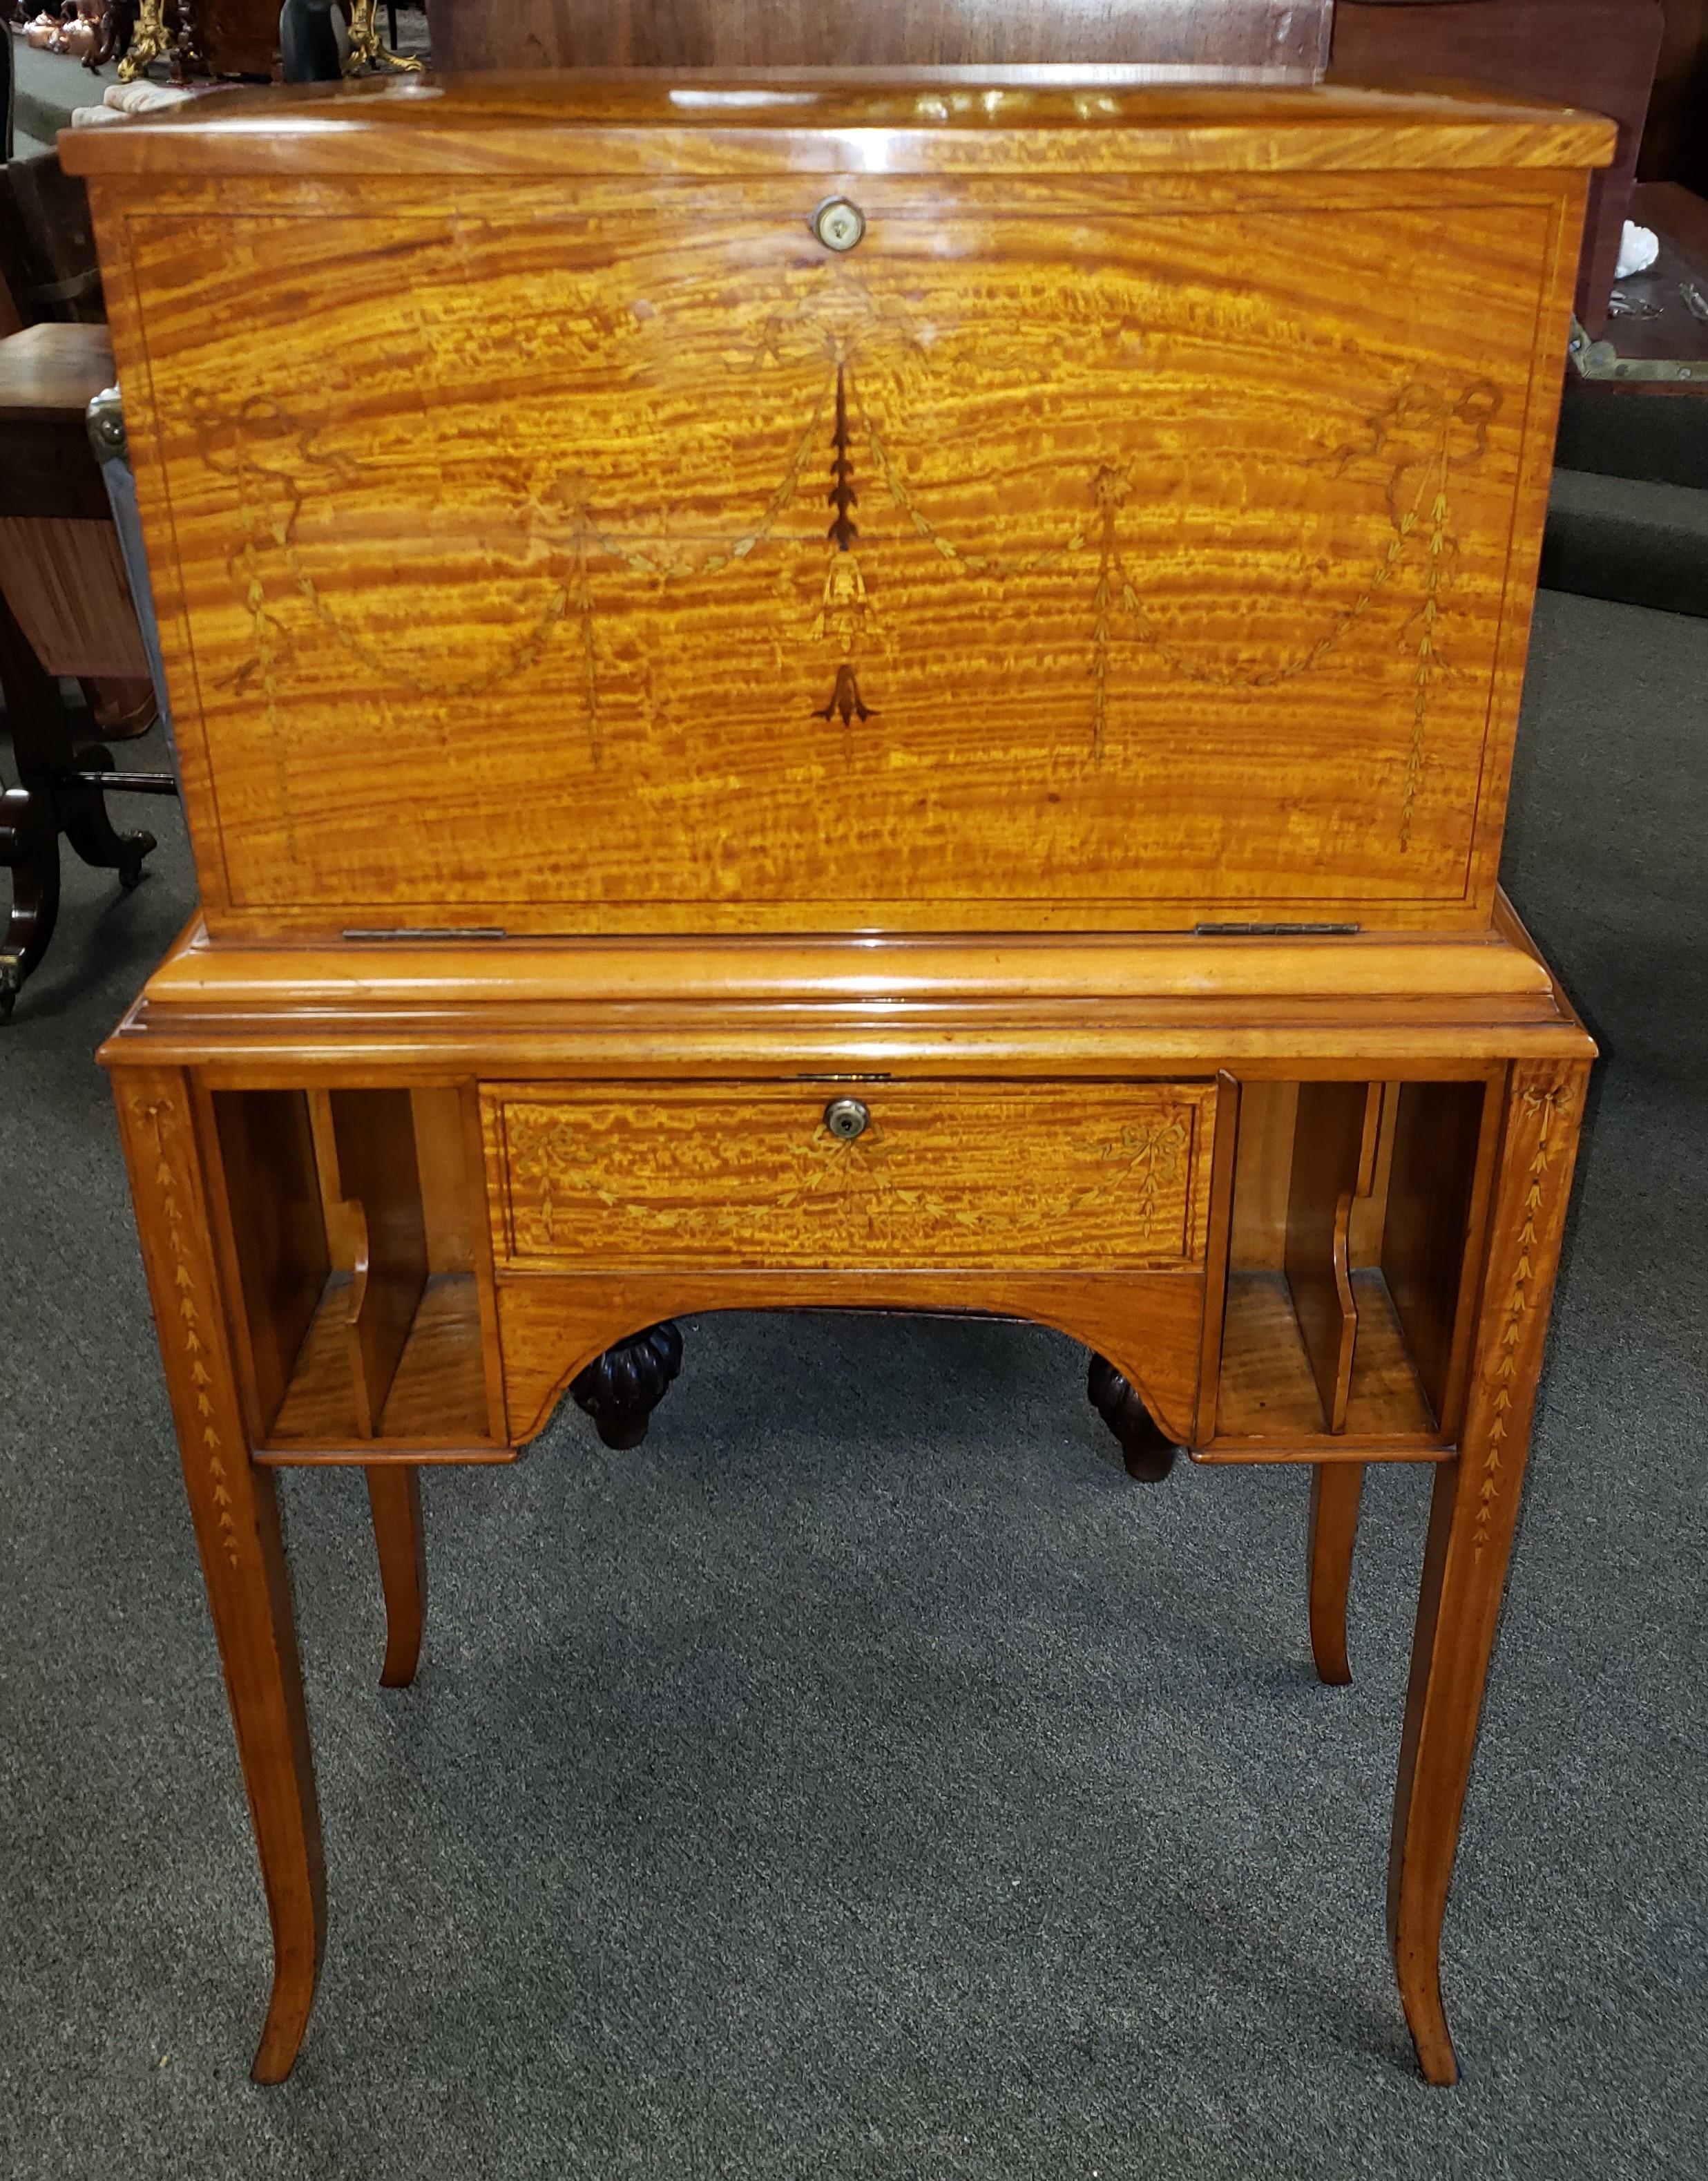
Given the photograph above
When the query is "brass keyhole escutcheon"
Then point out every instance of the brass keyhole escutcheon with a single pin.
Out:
(846, 1118)
(838, 224)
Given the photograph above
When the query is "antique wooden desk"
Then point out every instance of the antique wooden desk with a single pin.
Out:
(896, 693)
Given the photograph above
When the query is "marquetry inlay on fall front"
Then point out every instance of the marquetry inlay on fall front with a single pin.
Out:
(1013, 567)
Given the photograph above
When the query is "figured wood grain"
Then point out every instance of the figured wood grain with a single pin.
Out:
(742, 121)
(268, 1206)
(1089, 663)
(1473, 1512)
(437, 1396)
(1438, 1130)
(1149, 1325)
(373, 1133)
(797, 662)
(235, 1512)
(1102, 1176)
(1332, 1132)
(1270, 1399)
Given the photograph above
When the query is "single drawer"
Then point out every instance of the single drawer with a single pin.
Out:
(977, 1176)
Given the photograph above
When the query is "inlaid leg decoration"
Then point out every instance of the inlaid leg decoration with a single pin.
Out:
(1147, 1452)
(393, 1497)
(1336, 1489)
(1471, 1518)
(237, 1532)
(620, 1389)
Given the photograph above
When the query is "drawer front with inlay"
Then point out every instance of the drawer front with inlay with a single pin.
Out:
(1103, 1177)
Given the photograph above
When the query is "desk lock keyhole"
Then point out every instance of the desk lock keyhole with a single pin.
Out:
(847, 1117)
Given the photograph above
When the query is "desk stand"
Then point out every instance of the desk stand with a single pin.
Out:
(389, 1234)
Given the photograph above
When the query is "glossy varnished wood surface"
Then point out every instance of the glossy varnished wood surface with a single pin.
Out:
(614, 122)
(437, 1399)
(792, 665)
(552, 528)
(1094, 1176)
(1270, 1408)
(235, 1511)
(393, 1495)
(1150, 1325)
(1335, 1489)
(1472, 1513)
(942, 1007)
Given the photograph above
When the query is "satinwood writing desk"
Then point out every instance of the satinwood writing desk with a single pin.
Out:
(892, 693)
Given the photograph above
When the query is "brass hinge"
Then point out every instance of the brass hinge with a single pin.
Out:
(1272, 930)
(407, 931)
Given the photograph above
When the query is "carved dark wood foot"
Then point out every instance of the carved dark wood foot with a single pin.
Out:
(620, 1389)
(58, 791)
(29, 849)
(88, 825)
(1147, 1453)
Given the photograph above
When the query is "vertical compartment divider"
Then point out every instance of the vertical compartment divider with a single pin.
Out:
(379, 1181)
(1333, 1163)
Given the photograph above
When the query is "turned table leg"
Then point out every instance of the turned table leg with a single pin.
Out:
(1471, 1519)
(235, 1512)
(393, 1498)
(620, 1389)
(1146, 1449)
(1335, 1489)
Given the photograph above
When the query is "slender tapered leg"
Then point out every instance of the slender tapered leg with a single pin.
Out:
(393, 1495)
(237, 1530)
(1335, 1489)
(1471, 1519)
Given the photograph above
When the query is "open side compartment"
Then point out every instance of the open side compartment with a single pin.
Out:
(356, 1223)
(1357, 1216)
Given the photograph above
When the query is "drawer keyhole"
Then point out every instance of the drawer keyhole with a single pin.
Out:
(846, 1118)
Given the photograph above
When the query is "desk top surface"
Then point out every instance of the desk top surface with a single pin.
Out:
(932, 120)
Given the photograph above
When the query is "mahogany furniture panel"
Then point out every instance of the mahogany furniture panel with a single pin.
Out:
(1222, 40)
(65, 609)
(891, 693)
(1600, 52)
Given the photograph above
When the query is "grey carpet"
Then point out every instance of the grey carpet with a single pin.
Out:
(1627, 538)
(864, 1778)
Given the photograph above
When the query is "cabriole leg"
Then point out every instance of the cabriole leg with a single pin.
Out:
(1335, 1489)
(235, 1512)
(393, 1495)
(1471, 1519)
